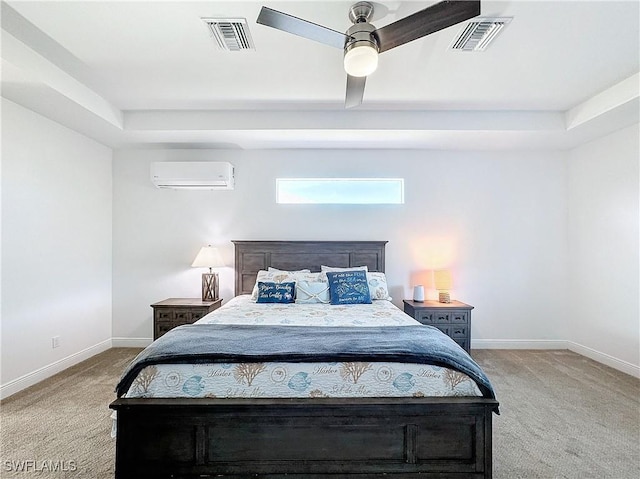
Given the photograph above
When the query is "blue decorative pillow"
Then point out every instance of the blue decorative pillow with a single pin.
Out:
(348, 287)
(276, 292)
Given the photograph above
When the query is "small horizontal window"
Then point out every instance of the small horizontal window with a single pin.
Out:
(354, 191)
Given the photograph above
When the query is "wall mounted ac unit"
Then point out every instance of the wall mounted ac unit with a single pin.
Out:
(194, 175)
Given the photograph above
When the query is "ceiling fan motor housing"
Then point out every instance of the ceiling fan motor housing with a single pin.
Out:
(360, 12)
(361, 32)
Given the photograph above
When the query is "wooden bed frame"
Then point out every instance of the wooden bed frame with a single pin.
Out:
(311, 437)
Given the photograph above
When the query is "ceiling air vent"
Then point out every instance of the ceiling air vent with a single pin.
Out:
(477, 34)
(231, 34)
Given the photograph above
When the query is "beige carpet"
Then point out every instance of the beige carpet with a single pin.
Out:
(562, 416)
(64, 419)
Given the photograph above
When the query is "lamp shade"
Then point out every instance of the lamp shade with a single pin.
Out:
(442, 279)
(208, 257)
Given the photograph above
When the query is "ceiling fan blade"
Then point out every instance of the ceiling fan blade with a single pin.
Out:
(355, 91)
(427, 21)
(302, 28)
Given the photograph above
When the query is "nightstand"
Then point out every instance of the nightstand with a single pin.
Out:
(174, 312)
(453, 319)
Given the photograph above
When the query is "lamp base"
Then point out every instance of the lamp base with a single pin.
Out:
(210, 289)
(444, 297)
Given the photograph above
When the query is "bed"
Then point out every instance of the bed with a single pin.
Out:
(313, 435)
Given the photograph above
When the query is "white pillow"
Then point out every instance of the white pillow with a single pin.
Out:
(378, 286)
(312, 292)
(324, 268)
(285, 271)
(281, 277)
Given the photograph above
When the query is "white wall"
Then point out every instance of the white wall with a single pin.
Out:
(497, 219)
(56, 247)
(603, 232)
(543, 244)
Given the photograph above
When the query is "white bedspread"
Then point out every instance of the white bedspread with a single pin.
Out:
(241, 310)
(282, 379)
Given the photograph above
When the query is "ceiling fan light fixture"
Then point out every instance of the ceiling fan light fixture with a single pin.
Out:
(361, 60)
(361, 50)
(362, 41)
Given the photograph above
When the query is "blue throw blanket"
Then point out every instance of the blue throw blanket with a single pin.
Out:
(225, 343)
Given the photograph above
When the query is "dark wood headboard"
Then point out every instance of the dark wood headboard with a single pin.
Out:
(252, 256)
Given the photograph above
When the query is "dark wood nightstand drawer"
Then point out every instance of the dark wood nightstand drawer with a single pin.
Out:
(162, 327)
(441, 317)
(197, 314)
(164, 314)
(460, 317)
(458, 332)
(453, 319)
(175, 312)
(182, 315)
(425, 317)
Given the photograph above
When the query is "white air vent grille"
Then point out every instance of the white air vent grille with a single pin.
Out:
(230, 34)
(477, 34)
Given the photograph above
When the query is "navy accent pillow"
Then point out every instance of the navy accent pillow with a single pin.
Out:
(348, 287)
(276, 292)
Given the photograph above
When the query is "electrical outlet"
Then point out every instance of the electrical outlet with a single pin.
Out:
(55, 342)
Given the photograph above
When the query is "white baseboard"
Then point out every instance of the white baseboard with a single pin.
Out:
(605, 359)
(518, 344)
(45, 372)
(131, 342)
(598, 356)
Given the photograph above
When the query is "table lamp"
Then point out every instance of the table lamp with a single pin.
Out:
(443, 283)
(208, 257)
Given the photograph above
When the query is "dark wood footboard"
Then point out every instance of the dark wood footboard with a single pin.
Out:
(367, 437)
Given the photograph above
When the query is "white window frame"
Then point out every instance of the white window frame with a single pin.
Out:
(335, 191)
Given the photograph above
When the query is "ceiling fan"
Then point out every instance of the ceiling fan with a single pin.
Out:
(362, 42)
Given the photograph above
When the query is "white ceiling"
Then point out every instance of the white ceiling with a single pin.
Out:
(147, 73)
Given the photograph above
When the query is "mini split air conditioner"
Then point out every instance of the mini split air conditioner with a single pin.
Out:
(194, 175)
